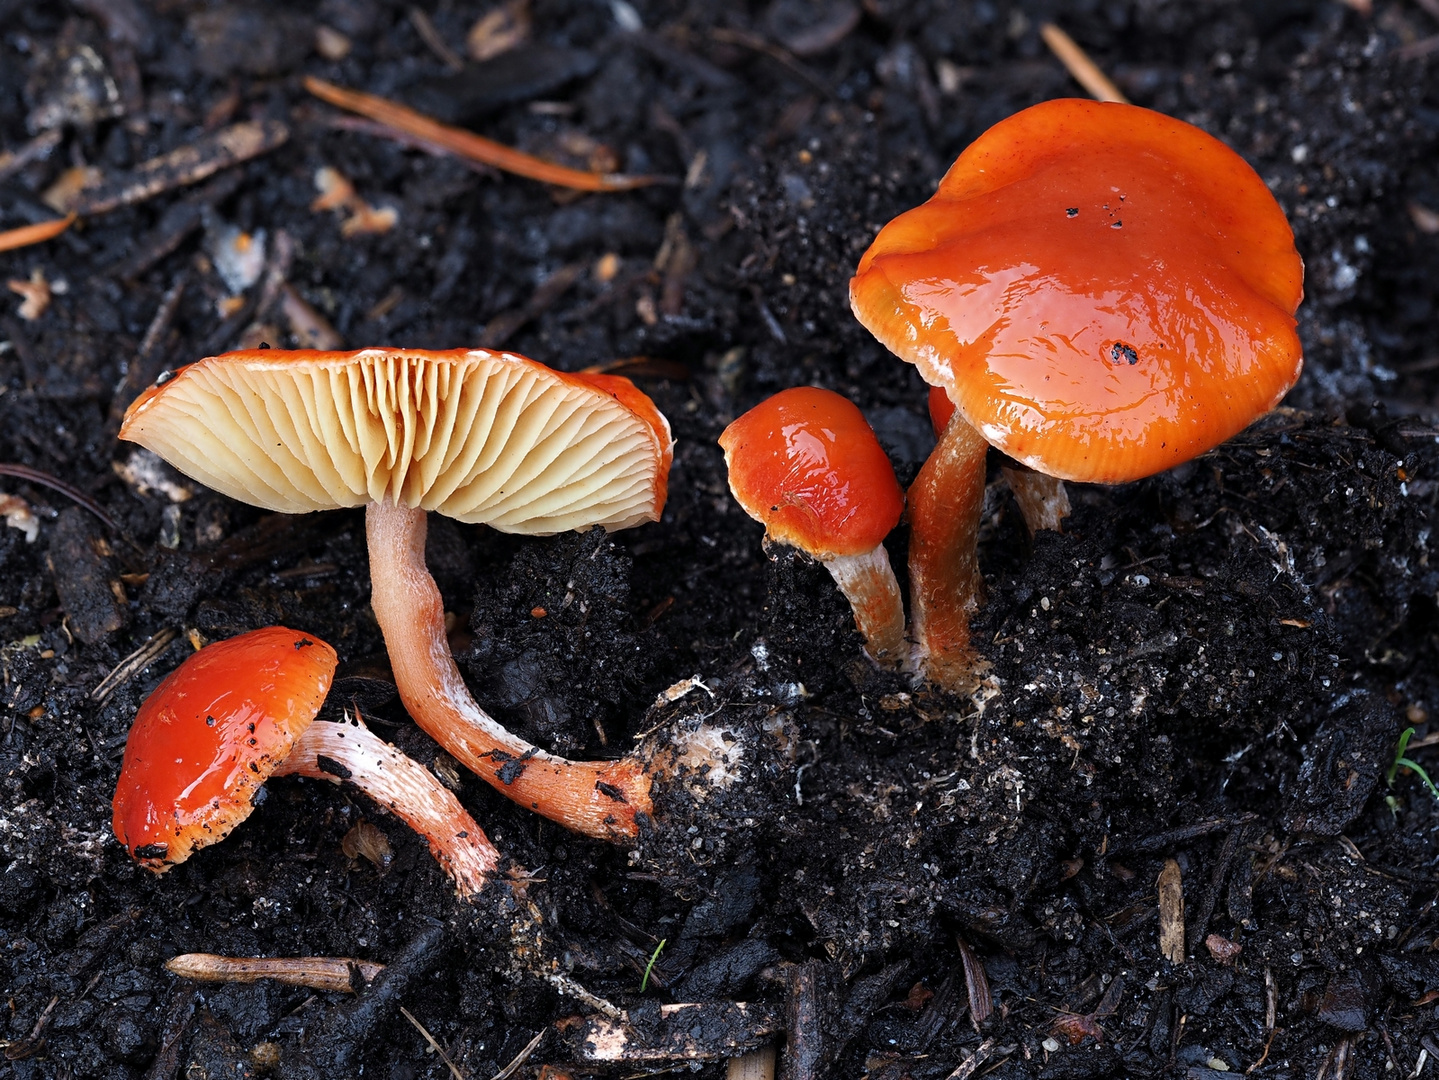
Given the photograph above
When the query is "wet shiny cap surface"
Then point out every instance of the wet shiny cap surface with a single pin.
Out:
(807, 465)
(210, 734)
(1103, 291)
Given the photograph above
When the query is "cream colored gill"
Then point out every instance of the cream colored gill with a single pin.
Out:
(482, 437)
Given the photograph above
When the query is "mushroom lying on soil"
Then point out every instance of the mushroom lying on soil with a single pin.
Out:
(1104, 292)
(806, 464)
(242, 710)
(476, 435)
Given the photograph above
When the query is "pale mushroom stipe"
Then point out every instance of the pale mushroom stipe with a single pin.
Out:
(1103, 292)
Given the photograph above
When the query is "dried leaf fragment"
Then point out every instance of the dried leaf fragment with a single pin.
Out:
(367, 841)
(498, 30)
(36, 293)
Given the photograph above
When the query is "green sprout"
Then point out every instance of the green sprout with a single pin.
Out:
(1400, 761)
(656, 955)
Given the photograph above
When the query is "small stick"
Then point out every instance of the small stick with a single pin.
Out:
(436, 1047)
(431, 37)
(315, 972)
(44, 479)
(186, 165)
(133, 664)
(1077, 62)
(27, 235)
(469, 145)
(520, 1058)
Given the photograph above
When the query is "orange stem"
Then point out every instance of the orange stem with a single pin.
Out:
(598, 798)
(945, 502)
(469, 145)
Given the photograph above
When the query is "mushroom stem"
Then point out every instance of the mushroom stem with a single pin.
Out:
(337, 752)
(1042, 499)
(598, 798)
(869, 584)
(945, 586)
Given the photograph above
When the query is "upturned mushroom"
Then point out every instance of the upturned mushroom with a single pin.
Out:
(479, 436)
(806, 464)
(1103, 292)
(240, 711)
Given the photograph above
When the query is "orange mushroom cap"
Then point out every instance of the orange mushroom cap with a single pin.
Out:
(806, 464)
(210, 735)
(1104, 291)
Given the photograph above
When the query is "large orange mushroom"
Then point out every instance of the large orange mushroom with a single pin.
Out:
(479, 436)
(1103, 292)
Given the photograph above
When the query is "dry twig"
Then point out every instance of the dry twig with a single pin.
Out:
(333, 973)
(468, 145)
(1077, 62)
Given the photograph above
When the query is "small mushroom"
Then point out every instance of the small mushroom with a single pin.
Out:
(806, 464)
(1104, 292)
(241, 710)
(476, 435)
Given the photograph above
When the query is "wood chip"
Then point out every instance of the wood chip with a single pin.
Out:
(467, 144)
(690, 1031)
(36, 293)
(1171, 913)
(498, 31)
(1077, 62)
(27, 235)
(981, 1006)
(186, 165)
(334, 973)
(756, 1065)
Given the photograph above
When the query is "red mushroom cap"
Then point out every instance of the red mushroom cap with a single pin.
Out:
(806, 464)
(1103, 290)
(210, 734)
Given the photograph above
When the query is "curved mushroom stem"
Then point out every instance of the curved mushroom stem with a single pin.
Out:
(337, 752)
(1042, 499)
(945, 586)
(869, 584)
(597, 798)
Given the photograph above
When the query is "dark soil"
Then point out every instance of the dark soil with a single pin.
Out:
(1212, 666)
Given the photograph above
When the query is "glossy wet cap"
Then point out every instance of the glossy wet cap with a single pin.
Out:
(806, 464)
(1104, 291)
(479, 436)
(210, 734)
